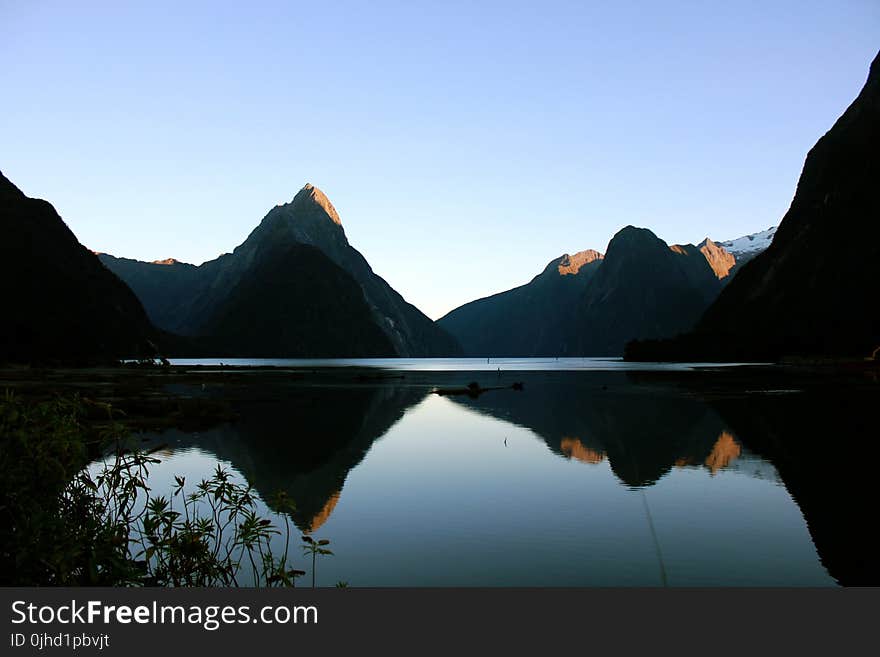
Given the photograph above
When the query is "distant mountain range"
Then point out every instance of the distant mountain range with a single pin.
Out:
(294, 288)
(814, 290)
(592, 305)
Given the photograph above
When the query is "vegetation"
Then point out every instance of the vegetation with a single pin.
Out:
(62, 523)
(314, 548)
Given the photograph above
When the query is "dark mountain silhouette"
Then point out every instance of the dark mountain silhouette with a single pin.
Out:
(295, 302)
(822, 440)
(61, 305)
(530, 320)
(643, 288)
(164, 287)
(587, 305)
(814, 290)
(186, 299)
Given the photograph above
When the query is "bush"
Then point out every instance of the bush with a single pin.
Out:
(60, 524)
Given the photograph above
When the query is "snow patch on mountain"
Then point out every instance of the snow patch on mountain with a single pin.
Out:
(749, 246)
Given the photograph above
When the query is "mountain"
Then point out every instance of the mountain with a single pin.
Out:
(61, 305)
(747, 247)
(529, 320)
(814, 290)
(164, 287)
(590, 305)
(644, 288)
(186, 299)
(296, 302)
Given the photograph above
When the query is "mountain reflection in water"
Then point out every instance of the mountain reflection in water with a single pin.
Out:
(536, 487)
(643, 431)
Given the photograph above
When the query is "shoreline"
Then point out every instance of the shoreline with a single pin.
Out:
(196, 397)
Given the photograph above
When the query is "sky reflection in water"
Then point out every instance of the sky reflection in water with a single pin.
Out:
(521, 490)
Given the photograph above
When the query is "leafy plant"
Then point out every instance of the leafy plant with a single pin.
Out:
(50, 528)
(215, 538)
(315, 548)
(60, 524)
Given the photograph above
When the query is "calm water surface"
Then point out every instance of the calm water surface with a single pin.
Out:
(582, 478)
(458, 364)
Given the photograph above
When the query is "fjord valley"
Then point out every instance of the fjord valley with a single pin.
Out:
(677, 477)
(641, 412)
(296, 288)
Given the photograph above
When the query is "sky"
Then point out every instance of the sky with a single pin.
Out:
(464, 144)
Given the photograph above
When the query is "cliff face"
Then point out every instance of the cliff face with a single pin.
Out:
(60, 304)
(814, 290)
(720, 260)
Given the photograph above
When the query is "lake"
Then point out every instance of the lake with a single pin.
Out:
(582, 478)
(457, 364)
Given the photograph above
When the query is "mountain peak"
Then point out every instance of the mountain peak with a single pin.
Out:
(571, 264)
(312, 195)
(7, 189)
(630, 237)
(683, 249)
(720, 259)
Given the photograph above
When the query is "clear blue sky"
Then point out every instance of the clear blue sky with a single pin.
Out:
(465, 144)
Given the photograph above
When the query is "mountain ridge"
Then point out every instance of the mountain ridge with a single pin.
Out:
(643, 288)
(308, 219)
(545, 317)
(500, 324)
